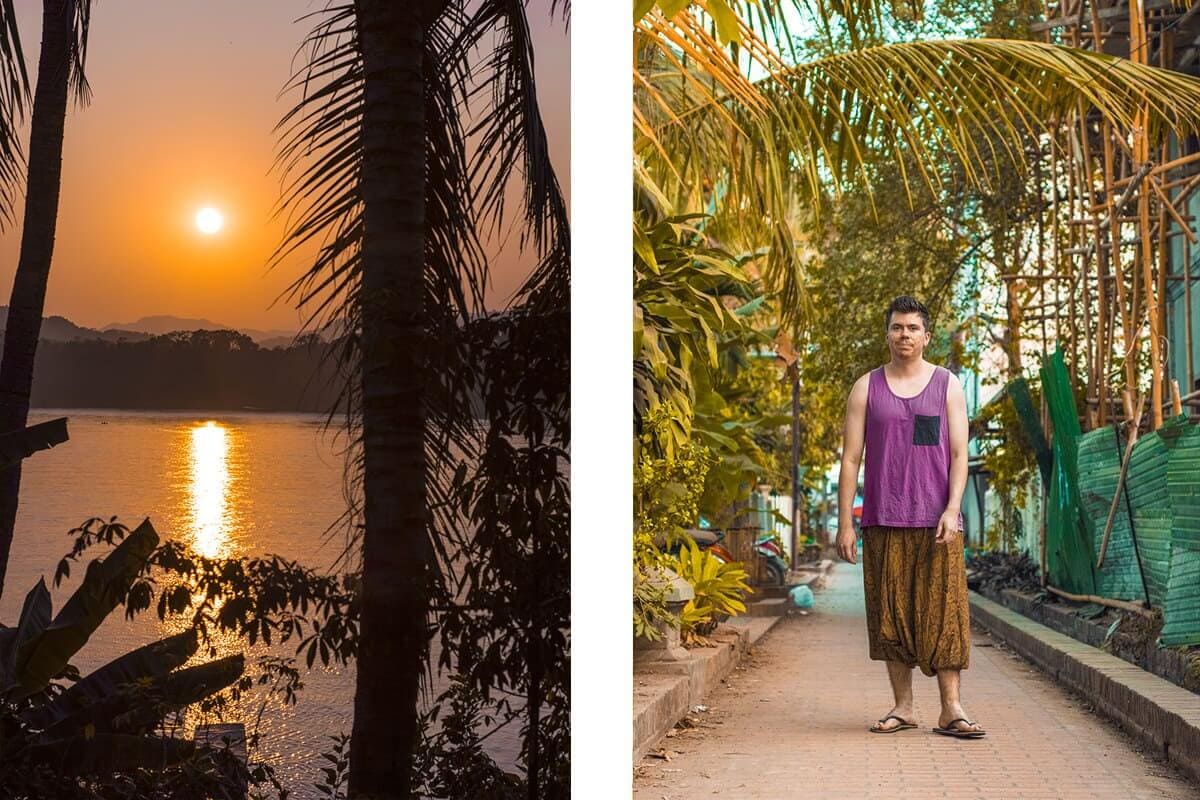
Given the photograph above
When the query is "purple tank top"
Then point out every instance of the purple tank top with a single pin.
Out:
(907, 470)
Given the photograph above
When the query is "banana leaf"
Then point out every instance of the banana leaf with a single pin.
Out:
(103, 588)
(109, 753)
(35, 616)
(150, 661)
(16, 446)
(184, 687)
(140, 707)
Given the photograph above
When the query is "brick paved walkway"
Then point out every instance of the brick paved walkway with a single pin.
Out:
(791, 723)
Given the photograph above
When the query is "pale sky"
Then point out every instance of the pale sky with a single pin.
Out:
(185, 96)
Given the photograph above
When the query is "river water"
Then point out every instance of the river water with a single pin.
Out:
(229, 484)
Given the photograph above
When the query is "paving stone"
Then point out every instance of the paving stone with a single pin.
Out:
(810, 739)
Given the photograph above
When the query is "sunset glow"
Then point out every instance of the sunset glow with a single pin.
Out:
(209, 221)
(160, 144)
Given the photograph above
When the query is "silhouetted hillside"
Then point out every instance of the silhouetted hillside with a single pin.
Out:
(61, 329)
(218, 370)
(161, 324)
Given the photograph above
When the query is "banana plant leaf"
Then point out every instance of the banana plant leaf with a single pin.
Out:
(35, 616)
(15, 446)
(150, 661)
(137, 709)
(109, 753)
(104, 586)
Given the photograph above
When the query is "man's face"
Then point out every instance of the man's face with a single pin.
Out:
(906, 334)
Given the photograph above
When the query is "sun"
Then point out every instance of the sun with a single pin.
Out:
(209, 221)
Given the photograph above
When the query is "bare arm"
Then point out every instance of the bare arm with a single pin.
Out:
(853, 438)
(956, 423)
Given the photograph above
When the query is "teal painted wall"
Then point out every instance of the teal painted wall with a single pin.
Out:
(1178, 250)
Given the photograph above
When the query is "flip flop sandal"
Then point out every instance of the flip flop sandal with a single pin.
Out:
(903, 726)
(959, 733)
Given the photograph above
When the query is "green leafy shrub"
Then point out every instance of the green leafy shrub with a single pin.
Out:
(719, 588)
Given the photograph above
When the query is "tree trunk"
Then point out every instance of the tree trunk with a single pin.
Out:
(394, 637)
(37, 246)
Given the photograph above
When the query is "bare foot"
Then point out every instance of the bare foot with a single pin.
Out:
(959, 718)
(890, 721)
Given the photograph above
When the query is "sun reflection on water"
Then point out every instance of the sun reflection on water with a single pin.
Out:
(212, 481)
(209, 488)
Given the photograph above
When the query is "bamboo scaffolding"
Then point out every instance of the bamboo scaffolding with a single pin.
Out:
(1120, 200)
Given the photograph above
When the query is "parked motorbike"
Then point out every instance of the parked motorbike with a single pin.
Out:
(710, 539)
(776, 563)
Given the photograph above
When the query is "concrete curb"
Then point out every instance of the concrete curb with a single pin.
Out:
(1158, 712)
(1163, 662)
(664, 691)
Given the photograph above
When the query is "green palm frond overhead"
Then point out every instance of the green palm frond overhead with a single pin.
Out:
(729, 127)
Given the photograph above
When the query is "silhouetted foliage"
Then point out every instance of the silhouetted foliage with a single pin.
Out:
(114, 732)
(505, 633)
(217, 370)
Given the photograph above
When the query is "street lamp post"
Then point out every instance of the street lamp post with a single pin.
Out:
(795, 464)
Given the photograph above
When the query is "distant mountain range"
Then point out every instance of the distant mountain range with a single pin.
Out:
(165, 323)
(61, 329)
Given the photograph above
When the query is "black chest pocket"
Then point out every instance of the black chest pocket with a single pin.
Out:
(927, 430)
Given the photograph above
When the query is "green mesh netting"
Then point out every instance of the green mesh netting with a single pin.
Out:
(1147, 476)
(1150, 499)
(1153, 528)
(1183, 487)
(1068, 548)
(1181, 615)
(1099, 463)
(1031, 425)
(1181, 611)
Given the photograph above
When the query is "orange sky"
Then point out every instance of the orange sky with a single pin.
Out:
(185, 94)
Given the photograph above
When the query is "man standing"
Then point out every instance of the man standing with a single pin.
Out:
(912, 417)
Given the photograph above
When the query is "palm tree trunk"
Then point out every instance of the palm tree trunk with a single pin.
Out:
(394, 638)
(37, 246)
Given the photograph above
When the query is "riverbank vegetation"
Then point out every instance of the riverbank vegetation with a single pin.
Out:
(458, 416)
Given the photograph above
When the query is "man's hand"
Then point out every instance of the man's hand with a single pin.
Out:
(847, 543)
(947, 527)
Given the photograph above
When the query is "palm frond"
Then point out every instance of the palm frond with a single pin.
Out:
(512, 144)
(81, 23)
(709, 135)
(14, 97)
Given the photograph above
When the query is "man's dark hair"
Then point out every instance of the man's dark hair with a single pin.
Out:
(905, 304)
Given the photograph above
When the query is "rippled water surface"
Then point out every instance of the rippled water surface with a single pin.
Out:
(228, 484)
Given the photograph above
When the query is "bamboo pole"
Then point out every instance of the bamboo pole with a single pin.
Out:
(1045, 566)
(1056, 241)
(1166, 166)
(1105, 320)
(1080, 156)
(1041, 254)
(1187, 314)
(1114, 242)
(1112, 509)
(1141, 155)
(1153, 312)
(1168, 207)
(1124, 605)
